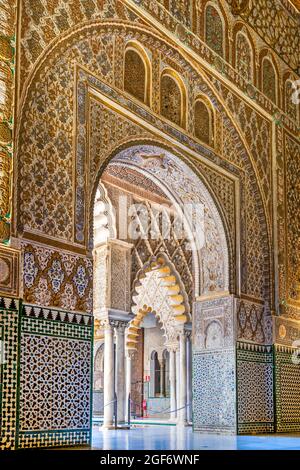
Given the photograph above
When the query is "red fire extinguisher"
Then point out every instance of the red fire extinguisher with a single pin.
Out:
(144, 406)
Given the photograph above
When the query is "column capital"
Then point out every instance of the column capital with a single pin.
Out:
(104, 324)
(114, 242)
(120, 326)
(172, 347)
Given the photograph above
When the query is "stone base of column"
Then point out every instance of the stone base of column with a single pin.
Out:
(181, 424)
(107, 426)
(111, 426)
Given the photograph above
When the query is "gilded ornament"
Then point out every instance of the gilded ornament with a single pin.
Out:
(240, 6)
(181, 32)
(219, 64)
(282, 331)
(6, 51)
(251, 91)
(5, 133)
(4, 271)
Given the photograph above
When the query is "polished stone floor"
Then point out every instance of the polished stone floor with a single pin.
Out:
(173, 438)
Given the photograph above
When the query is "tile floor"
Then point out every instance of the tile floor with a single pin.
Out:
(173, 438)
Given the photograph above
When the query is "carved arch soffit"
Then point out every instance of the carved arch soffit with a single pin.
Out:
(184, 187)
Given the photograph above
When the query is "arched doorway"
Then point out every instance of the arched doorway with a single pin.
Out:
(160, 248)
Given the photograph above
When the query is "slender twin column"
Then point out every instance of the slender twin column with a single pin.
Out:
(114, 383)
(189, 376)
(129, 357)
(109, 376)
(172, 356)
(120, 383)
(120, 372)
(182, 402)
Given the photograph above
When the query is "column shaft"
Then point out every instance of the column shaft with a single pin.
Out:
(189, 377)
(177, 378)
(128, 383)
(182, 381)
(120, 374)
(172, 383)
(109, 375)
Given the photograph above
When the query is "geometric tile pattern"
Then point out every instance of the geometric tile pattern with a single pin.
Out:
(52, 438)
(255, 388)
(9, 329)
(287, 386)
(214, 391)
(54, 328)
(55, 381)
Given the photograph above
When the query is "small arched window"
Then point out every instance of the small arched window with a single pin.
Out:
(244, 57)
(155, 375)
(269, 80)
(166, 374)
(171, 99)
(203, 124)
(214, 34)
(136, 75)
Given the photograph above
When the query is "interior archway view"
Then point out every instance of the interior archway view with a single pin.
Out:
(149, 224)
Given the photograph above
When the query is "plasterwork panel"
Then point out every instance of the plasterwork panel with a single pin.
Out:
(192, 40)
(274, 24)
(286, 331)
(257, 131)
(9, 271)
(120, 278)
(43, 21)
(292, 171)
(251, 322)
(214, 323)
(55, 278)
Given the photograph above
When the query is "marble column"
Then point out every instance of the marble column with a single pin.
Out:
(129, 357)
(182, 381)
(162, 377)
(172, 356)
(120, 372)
(189, 375)
(177, 376)
(109, 376)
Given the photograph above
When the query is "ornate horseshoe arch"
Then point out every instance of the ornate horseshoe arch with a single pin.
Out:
(158, 289)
